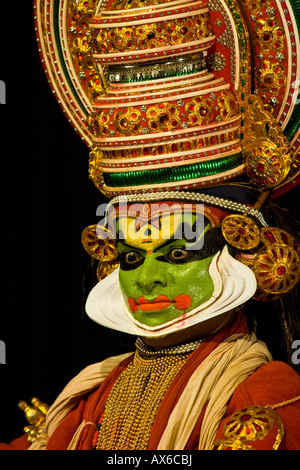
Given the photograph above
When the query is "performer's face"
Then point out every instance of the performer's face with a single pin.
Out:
(161, 278)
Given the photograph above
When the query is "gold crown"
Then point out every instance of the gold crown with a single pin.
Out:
(159, 91)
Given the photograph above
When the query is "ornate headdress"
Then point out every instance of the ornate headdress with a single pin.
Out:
(185, 100)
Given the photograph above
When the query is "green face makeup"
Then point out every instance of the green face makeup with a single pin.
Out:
(164, 279)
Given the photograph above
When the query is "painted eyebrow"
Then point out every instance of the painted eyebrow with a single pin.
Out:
(171, 240)
(130, 246)
(167, 242)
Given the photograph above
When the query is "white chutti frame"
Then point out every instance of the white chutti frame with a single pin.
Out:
(234, 284)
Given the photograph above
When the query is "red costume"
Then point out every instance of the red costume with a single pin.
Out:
(274, 383)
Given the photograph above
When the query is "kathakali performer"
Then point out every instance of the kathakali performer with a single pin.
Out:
(190, 112)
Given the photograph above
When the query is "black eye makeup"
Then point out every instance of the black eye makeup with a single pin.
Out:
(132, 257)
(178, 255)
(129, 259)
(174, 254)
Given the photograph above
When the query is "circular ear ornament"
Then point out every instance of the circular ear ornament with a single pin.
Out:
(240, 232)
(277, 265)
(105, 268)
(277, 269)
(271, 235)
(100, 248)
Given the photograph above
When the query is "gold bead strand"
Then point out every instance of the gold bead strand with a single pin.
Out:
(134, 400)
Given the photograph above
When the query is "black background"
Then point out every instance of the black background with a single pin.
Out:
(46, 202)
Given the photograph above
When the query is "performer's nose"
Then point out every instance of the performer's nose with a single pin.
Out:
(150, 277)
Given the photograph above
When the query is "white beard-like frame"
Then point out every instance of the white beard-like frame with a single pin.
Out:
(234, 284)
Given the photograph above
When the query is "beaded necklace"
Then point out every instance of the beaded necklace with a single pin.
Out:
(133, 402)
(179, 349)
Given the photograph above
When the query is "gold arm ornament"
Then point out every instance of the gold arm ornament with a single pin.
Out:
(250, 425)
(35, 415)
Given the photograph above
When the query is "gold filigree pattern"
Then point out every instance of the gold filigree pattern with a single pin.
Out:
(133, 4)
(228, 105)
(250, 425)
(276, 264)
(99, 123)
(128, 121)
(271, 77)
(81, 12)
(99, 243)
(95, 173)
(271, 235)
(255, 6)
(200, 111)
(269, 35)
(276, 268)
(240, 232)
(163, 117)
(153, 35)
(105, 268)
(266, 148)
(266, 165)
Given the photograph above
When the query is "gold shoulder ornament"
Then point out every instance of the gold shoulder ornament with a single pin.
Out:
(253, 424)
(250, 425)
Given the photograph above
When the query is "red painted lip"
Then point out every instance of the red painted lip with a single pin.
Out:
(181, 302)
